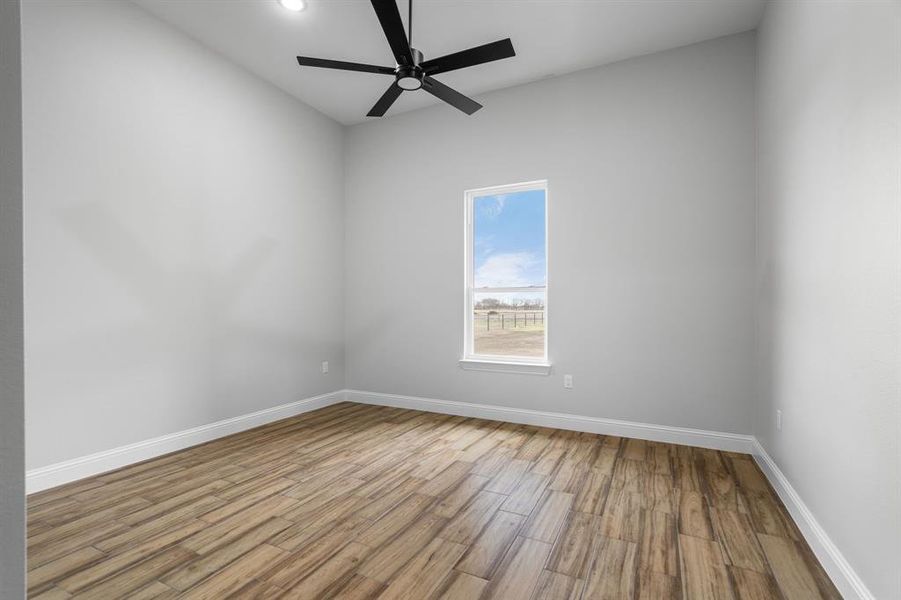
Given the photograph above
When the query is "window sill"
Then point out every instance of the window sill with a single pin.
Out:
(505, 366)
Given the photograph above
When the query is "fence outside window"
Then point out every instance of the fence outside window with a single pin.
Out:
(486, 320)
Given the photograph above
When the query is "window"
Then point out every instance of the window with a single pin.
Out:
(506, 275)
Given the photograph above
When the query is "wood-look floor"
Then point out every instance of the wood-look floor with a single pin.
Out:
(357, 501)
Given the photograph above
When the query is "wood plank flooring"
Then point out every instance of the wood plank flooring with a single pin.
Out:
(356, 501)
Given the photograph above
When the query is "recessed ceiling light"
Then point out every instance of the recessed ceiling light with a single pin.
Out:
(295, 5)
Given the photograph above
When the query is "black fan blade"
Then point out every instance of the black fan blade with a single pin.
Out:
(306, 61)
(450, 95)
(389, 17)
(385, 102)
(468, 58)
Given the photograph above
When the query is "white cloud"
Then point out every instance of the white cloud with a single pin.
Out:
(495, 209)
(484, 244)
(507, 270)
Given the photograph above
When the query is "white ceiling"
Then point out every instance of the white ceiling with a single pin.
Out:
(551, 37)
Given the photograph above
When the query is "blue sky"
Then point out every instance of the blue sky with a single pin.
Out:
(508, 232)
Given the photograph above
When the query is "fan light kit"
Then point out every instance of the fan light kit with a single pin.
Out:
(411, 72)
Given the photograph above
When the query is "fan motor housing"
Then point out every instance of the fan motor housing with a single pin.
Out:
(409, 77)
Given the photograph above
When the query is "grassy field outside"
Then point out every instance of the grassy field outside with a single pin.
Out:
(509, 332)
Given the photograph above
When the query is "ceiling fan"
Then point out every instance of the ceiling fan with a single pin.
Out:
(411, 72)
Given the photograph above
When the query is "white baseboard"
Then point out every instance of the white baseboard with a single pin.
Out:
(658, 433)
(71, 470)
(842, 574)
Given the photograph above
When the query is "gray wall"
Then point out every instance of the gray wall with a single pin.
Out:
(651, 169)
(12, 443)
(830, 269)
(184, 234)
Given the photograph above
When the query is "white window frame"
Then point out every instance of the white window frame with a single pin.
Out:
(492, 362)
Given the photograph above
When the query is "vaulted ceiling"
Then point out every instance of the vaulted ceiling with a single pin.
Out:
(551, 37)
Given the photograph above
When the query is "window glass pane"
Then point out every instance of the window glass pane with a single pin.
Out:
(509, 324)
(508, 240)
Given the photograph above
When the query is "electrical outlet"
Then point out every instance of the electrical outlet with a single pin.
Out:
(568, 382)
(779, 420)
(324, 367)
